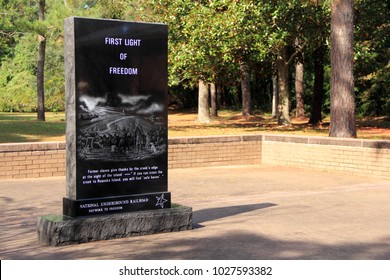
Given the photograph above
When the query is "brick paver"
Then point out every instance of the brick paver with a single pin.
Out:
(239, 212)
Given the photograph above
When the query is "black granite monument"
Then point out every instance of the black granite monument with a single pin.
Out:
(116, 134)
(118, 143)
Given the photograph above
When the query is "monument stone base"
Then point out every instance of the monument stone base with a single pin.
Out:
(60, 230)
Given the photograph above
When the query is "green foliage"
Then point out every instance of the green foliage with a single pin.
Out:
(372, 57)
(116, 9)
(180, 97)
(375, 100)
(7, 32)
(207, 40)
(18, 68)
(17, 88)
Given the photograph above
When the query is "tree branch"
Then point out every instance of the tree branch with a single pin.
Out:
(298, 50)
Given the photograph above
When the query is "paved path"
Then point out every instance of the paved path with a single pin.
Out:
(241, 212)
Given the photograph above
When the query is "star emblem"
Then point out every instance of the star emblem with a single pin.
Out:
(160, 201)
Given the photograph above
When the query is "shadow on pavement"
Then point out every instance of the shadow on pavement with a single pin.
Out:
(211, 214)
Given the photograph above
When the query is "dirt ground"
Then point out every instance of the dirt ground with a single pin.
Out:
(184, 123)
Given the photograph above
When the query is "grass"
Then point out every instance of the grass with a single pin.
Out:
(23, 127)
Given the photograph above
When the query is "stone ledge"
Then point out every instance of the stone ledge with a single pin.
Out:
(59, 230)
(314, 140)
(214, 139)
(32, 146)
(286, 138)
(328, 141)
(203, 139)
(377, 144)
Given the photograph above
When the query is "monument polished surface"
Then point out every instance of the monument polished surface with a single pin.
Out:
(116, 116)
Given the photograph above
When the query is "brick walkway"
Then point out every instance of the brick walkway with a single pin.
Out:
(239, 212)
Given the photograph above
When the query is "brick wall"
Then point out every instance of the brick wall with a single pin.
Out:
(214, 151)
(32, 160)
(356, 156)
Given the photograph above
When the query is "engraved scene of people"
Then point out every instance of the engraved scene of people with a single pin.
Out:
(119, 127)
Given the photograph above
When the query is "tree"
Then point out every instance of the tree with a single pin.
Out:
(372, 62)
(41, 64)
(299, 85)
(318, 87)
(208, 39)
(275, 96)
(115, 9)
(283, 61)
(18, 84)
(342, 96)
(213, 97)
(299, 90)
(20, 68)
(8, 33)
(190, 49)
(282, 65)
(203, 102)
(245, 89)
(288, 21)
(319, 31)
(215, 40)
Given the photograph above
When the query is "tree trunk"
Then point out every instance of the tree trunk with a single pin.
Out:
(203, 102)
(283, 89)
(300, 107)
(245, 89)
(275, 96)
(342, 97)
(318, 88)
(222, 95)
(213, 94)
(41, 66)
